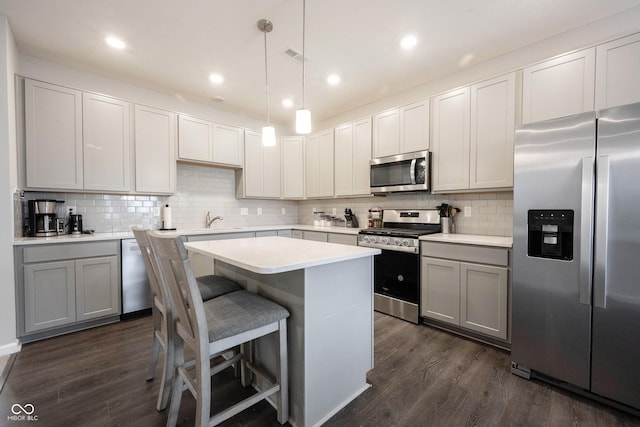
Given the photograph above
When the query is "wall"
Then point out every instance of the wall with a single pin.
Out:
(8, 179)
(491, 213)
(199, 189)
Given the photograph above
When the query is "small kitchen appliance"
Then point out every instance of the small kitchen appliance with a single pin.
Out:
(75, 223)
(42, 219)
(397, 268)
(375, 217)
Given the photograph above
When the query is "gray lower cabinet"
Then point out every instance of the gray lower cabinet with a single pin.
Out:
(321, 236)
(66, 287)
(469, 288)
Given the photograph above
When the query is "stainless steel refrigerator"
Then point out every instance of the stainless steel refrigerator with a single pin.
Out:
(576, 253)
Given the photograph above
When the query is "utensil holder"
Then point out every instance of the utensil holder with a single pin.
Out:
(445, 222)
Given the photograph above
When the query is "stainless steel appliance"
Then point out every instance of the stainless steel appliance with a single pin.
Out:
(576, 275)
(397, 268)
(404, 172)
(42, 220)
(75, 223)
(136, 291)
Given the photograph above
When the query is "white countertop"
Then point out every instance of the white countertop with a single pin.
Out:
(70, 238)
(269, 255)
(470, 239)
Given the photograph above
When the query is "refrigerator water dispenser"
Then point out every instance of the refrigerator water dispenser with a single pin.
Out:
(550, 234)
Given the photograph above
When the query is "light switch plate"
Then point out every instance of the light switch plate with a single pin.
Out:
(467, 211)
(244, 211)
(259, 211)
(284, 211)
(333, 211)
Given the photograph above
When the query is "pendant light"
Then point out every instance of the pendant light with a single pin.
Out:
(303, 116)
(268, 131)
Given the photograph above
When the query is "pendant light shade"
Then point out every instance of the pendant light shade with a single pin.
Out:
(268, 131)
(303, 116)
(303, 121)
(268, 136)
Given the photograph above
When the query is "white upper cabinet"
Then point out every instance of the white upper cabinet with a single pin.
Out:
(155, 150)
(195, 139)
(492, 132)
(227, 145)
(617, 71)
(352, 156)
(106, 137)
(261, 174)
(414, 127)
(319, 164)
(559, 87)
(450, 143)
(401, 130)
(293, 167)
(53, 134)
(386, 133)
(204, 141)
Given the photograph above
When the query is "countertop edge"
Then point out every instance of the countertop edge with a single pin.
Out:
(470, 239)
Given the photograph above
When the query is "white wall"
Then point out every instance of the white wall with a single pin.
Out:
(8, 179)
(589, 35)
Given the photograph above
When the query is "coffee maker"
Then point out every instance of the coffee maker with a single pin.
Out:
(75, 223)
(42, 220)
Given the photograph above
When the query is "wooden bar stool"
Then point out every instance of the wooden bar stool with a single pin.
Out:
(212, 327)
(209, 286)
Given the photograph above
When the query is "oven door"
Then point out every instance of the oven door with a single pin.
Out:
(396, 284)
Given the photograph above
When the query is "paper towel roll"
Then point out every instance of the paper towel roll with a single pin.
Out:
(166, 217)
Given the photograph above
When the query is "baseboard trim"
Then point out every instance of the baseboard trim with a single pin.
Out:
(11, 348)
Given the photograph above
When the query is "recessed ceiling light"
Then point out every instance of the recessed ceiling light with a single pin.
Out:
(287, 103)
(216, 78)
(408, 42)
(115, 42)
(333, 79)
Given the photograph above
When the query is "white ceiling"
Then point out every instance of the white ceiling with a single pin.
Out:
(174, 45)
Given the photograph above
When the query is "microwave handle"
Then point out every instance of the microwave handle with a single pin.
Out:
(413, 171)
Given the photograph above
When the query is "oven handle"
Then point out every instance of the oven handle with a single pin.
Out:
(410, 250)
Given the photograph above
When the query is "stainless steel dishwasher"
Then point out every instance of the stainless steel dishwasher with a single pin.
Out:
(136, 294)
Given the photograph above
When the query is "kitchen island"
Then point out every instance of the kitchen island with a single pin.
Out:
(328, 289)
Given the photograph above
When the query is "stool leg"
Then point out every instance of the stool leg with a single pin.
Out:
(282, 372)
(169, 366)
(178, 383)
(155, 346)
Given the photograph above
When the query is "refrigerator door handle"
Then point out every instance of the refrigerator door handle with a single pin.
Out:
(586, 226)
(602, 228)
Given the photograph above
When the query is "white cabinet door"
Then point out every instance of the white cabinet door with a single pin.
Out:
(617, 71)
(261, 172)
(253, 164)
(293, 161)
(106, 135)
(319, 164)
(483, 299)
(450, 144)
(492, 132)
(227, 145)
(49, 298)
(559, 87)
(344, 160)
(195, 139)
(440, 289)
(361, 156)
(414, 127)
(155, 150)
(53, 133)
(386, 133)
(97, 287)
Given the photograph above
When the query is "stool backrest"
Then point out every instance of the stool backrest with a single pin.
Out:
(175, 271)
(150, 264)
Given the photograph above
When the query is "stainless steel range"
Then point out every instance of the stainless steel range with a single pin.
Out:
(397, 268)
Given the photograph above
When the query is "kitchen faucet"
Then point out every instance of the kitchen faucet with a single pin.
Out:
(208, 220)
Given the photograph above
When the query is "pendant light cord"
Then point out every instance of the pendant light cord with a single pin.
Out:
(266, 77)
(304, 20)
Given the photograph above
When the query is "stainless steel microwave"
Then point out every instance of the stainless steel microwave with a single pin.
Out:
(404, 172)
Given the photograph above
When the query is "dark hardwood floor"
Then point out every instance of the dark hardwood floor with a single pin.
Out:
(422, 377)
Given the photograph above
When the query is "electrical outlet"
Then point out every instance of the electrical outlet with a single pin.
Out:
(333, 211)
(467, 211)
(259, 211)
(314, 210)
(284, 211)
(244, 211)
